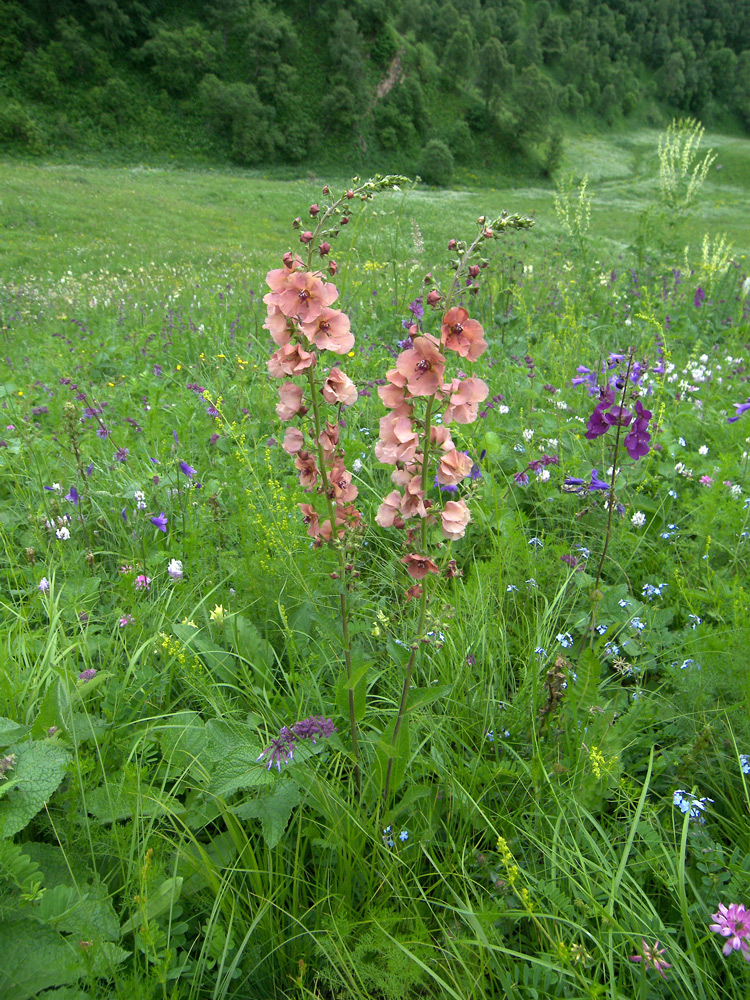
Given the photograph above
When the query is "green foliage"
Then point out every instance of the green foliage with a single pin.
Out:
(436, 163)
(180, 57)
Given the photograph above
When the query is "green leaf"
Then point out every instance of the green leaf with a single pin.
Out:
(183, 740)
(38, 771)
(426, 696)
(398, 653)
(11, 732)
(128, 798)
(273, 810)
(385, 751)
(33, 957)
(357, 684)
(233, 751)
(583, 692)
(158, 902)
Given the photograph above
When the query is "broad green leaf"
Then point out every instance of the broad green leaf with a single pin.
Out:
(158, 902)
(357, 684)
(127, 799)
(183, 740)
(385, 751)
(426, 696)
(39, 769)
(233, 751)
(272, 809)
(11, 732)
(33, 957)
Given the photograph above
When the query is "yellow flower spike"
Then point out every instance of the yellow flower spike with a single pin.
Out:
(218, 614)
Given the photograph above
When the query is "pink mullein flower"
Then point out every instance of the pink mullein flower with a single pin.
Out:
(454, 518)
(649, 955)
(339, 388)
(454, 466)
(290, 401)
(331, 331)
(290, 359)
(423, 366)
(306, 296)
(465, 398)
(463, 335)
(733, 923)
(419, 566)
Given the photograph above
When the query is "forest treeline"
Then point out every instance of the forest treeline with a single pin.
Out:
(414, 85)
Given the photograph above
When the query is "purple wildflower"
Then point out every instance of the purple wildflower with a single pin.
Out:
(188, 469)
(597, 483)
(741, 408)
(87, 675)
(699, 297)
(160, 521)
(121, 455)
(73, 496)
(281, 749)
(638, 437)
(521, 478)
(142, 582)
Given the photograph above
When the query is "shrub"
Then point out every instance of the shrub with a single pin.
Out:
(436, 164)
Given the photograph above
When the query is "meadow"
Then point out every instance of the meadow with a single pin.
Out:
(398, 655)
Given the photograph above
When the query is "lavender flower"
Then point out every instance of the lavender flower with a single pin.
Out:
(281, 749)
(87, 675)
(188, 470)
(175, 569)
(160, 521)
(73, 496)
(121, 455)
(44, 585)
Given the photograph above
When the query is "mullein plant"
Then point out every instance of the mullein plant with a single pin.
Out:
(421, 395)
(424, 398)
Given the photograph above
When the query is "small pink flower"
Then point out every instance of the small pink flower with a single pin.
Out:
(126, 620)
(388, 512)
(706, 481)
(142, 582)
(464, 400)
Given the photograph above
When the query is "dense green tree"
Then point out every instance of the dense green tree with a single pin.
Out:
(494, 70)
(179, 57)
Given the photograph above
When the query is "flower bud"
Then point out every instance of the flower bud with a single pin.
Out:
(474, 270)
(350, 193)
(324, 248)
(326, 189)
(433, 297)
(481, 220)
(306, 237)
(288, 260)
(344, 220)
(452, 244)
(428, 279)
(314, 210)
(297, 223)
(332, 267)
(488, 234)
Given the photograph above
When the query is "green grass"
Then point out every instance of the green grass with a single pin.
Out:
(530, 842)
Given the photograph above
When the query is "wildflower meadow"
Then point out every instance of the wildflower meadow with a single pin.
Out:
(372, 603)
